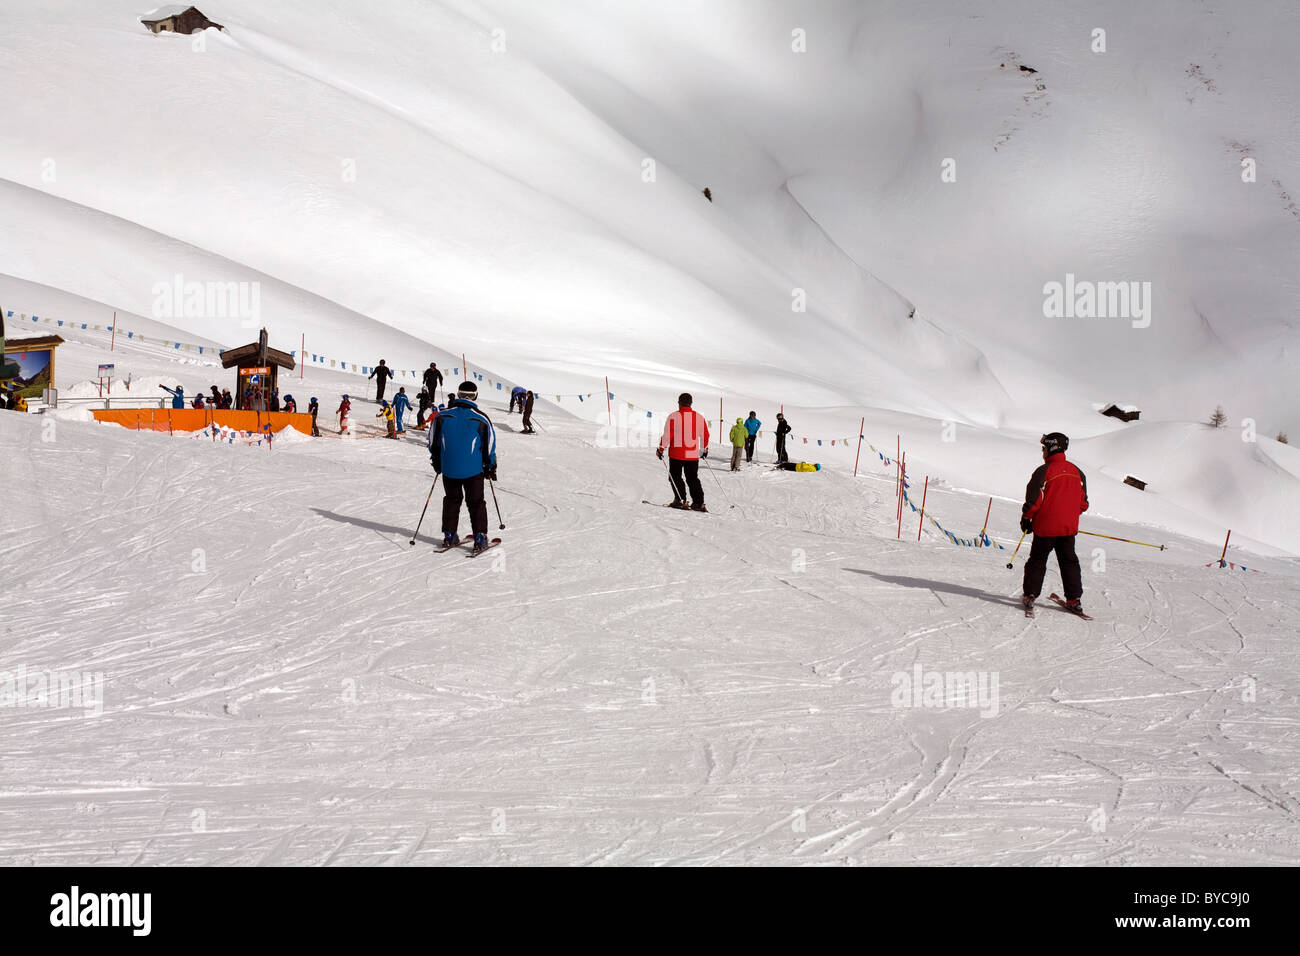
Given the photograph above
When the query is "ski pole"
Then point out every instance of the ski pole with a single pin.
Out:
(671, 484)
(723, 491)
(492, 485)
(1017, 551)
(425, 508)
(1125, 540)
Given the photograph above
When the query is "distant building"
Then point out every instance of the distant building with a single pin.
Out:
(1128, 414)
(175, 20)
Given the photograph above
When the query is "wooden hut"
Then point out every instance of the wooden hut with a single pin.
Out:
(1129, 414)
(176, 20)
(259, 370)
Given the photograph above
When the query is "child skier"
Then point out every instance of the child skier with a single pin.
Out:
(386, 413)
(313, 408)
(345, 407)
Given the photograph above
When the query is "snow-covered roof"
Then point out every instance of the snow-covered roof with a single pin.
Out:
(170, 10)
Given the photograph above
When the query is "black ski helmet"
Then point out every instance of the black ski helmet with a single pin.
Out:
(1054, 442)
(467, 390)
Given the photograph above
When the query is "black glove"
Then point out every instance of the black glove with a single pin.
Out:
(491, 473)
(705, 453)
(660, 454)
(1026, 525)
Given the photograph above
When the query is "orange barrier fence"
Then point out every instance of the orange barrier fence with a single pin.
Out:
(196, 419)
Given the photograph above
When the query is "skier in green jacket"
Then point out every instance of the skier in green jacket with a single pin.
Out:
(738, 436)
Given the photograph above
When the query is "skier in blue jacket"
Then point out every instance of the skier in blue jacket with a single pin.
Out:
(177, 394)
(752, 425)
(517, 395)
(400, 405)
(463, 449)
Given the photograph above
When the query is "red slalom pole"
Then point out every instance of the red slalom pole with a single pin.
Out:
(1225, 549)
(921, 524)
(987, 511)
(858, 456)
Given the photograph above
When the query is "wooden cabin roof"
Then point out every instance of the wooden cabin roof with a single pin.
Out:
(18, 342)
(247, 355)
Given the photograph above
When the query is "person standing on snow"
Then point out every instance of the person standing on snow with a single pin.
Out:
(177, 394)
(528, 413)
(424, 400)
(313, 409)
(782, 429)
(463, 449)
(383, 372)
(290, 406)
(1055, 497)
(432, 379)
(686, 439)
(752, 425)
(401, 405)
(738, 436)
(386, 413)
(345, 408)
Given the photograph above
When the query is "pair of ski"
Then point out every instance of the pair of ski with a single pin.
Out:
(474, 553)
(672, 506)
(1060, 602)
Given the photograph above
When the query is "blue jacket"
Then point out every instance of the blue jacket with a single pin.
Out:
(401, 403)
(462, 442)
(518, 392)
(178, 396)
(752, 425)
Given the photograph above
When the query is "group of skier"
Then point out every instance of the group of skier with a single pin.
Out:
(462, 448)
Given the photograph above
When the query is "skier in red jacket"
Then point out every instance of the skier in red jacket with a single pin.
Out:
(1057, 494)
(686, 438)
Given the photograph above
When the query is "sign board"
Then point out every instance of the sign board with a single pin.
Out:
(255, 371)
(106, 371)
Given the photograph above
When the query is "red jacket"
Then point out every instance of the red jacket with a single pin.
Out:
(686, 434)
(1057, 494)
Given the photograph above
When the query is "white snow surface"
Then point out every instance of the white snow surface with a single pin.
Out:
(287, 681)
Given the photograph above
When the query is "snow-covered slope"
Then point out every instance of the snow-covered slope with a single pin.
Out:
(436, 178)
(284, 679)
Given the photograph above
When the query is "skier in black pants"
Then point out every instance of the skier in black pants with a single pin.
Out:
(384, 373)
(782, 429)
(528, 413)
(752, 425)
(686, 439)
(1055, 497)
(432, 379)
(463, 449)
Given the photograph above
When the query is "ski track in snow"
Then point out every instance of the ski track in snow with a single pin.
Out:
(288, 682)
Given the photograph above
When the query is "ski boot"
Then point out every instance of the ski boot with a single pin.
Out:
(680, 505)
(451, 539)
(1027, 601)
(480, 541)
(699, 507)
